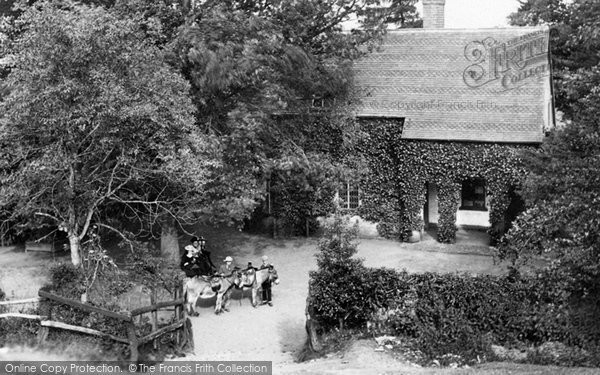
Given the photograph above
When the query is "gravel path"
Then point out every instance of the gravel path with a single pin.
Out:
(263, 333)
(277, 333)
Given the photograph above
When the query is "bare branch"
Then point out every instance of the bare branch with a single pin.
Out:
(46, 236)
(48, 215)
(119, 233)
(86, 225)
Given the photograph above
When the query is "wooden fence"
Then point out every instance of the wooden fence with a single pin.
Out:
(132, 338)
(6, 306)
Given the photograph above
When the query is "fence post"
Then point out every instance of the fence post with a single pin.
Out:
(154, 315)
(177, 317)
(45, 310)
(133, 341)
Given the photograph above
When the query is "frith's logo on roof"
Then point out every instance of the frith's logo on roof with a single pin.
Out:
(511, 63)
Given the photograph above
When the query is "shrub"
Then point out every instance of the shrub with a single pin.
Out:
(104, 287)
(66, 280)
(450, 316)
(18, 331)
(463, 314)
(343, 292)
(335, 288)
(15, 330)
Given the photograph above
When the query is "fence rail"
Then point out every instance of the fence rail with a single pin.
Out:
(70, 327)
(24, 316)
(82, 306)
(156, 306)
(20, 301)
(16, 308)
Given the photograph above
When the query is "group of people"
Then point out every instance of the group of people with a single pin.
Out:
(196, 262)
(196, 259)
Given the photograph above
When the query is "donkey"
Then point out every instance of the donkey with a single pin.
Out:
(208, 287)
(253, 278)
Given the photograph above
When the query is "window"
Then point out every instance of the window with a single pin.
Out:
(349, 195)
(473, 195)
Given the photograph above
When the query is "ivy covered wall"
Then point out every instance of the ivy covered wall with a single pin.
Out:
(394, 188)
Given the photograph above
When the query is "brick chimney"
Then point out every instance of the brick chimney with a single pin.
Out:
(433, 14)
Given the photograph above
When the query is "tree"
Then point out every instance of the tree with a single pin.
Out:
(258, 67)
(96, 126)
(562, 193)
(395, 13)
(562, 190)
(574, 44)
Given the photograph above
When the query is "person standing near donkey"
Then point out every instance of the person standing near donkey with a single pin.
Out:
(266, 285)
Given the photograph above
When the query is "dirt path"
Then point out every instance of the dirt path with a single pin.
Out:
(262, 333)
(277, 333)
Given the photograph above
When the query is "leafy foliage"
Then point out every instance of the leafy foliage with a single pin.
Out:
(100, 127)
(335, 289)
(256, 69)
(343, 292)
(394, 188)
(149, 269)
(247, 62)
(67, 280)
(562, 222)
(449, 201)
(445, 315)
(302, 193)
(462, 314)
(574, 45)
(18, 332)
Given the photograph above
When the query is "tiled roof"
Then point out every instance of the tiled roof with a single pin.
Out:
(488, 85)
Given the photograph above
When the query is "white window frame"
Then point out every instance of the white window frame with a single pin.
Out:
(345, 201)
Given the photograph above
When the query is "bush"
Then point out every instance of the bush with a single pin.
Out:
(462, 314)
(18, 331)
(69, 281)
(450, 315)
(15, 330)
(343, 292)
(104, 288)
(66, 280)
(335, 288)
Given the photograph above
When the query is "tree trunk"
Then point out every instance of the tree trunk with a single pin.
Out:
(72, 227)
(75, 245)
(169, 241)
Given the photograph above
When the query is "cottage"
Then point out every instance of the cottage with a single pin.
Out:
(459, 105)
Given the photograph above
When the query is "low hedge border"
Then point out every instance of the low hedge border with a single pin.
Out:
(459, 313)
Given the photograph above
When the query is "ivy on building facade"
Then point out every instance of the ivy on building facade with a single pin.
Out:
(394, 189)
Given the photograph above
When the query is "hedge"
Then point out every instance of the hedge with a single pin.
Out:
(459, 313)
